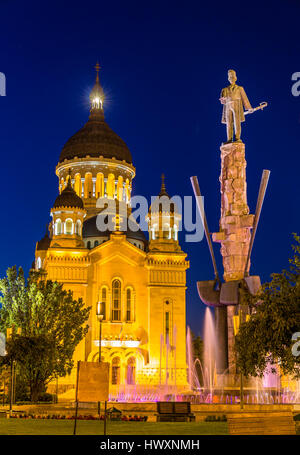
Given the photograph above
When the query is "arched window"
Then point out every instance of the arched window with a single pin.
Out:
(88, 185)
(103, 297)
(130, 376)
(69, 226)
(115, 370)
(110, 185)
(116, 300)
(38, 263)
(99, 185)
(154, 229)
(78, 227)
(168, 324)
(175, 232)
(62, 185)
(96, 243)
(58, 227)
(128, 304)
(77, 185)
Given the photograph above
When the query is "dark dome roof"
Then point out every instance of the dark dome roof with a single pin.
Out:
(96, 139)
(44, 243)
(68, 198)
(90, 229)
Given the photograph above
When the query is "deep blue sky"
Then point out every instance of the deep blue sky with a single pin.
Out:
(163, 66)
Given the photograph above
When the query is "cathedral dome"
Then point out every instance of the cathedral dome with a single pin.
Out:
(68, 198)
(96, 139)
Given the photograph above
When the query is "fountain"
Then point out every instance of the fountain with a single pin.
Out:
(193, 379)
(206, 387)
(209, 357)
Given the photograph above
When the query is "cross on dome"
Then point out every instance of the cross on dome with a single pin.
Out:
(97, 95)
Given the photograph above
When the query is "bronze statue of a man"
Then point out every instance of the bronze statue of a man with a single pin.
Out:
(234, 100)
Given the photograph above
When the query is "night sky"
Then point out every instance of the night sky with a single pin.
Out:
(163, 67)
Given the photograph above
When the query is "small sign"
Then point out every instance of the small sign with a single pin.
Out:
(92, 381)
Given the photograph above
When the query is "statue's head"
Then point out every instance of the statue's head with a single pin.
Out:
(232, 76)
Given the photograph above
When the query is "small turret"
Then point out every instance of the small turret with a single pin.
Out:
(163, 221)
(68, 214)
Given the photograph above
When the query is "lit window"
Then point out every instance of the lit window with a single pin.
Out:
(115, 370)
(175, 232)
(78, 227)
(116, 300)
(69, 227)
(167, 326)
(130, 377)
(103, 300)
(58, 229)
(38, 263)
(128, 304)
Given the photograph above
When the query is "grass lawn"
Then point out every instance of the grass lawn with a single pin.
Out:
(65, 427)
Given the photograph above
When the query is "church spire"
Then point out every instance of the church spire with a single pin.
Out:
(97, 68)
(97, 95)
(163, 191)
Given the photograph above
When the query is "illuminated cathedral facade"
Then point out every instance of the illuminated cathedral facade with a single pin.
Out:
(140, 283)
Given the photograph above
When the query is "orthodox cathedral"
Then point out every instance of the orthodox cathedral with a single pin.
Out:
(139, 284)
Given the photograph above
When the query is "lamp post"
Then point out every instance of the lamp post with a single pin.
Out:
(10, 332)
(100, 315)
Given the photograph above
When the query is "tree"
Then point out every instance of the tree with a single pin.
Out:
(51, 325)
(267, 337)
(4, 383)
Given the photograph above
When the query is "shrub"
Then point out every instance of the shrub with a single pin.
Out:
(45, 397)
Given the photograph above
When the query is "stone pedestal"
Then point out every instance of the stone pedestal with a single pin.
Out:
(235, 221)
(235, 225)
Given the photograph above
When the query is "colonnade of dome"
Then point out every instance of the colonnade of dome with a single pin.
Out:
(88, 185)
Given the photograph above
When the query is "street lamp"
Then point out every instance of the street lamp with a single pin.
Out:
(100, 309)
(10, 332)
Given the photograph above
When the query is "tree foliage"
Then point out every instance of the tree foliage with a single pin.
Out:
(266, 339)
(50, 323)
